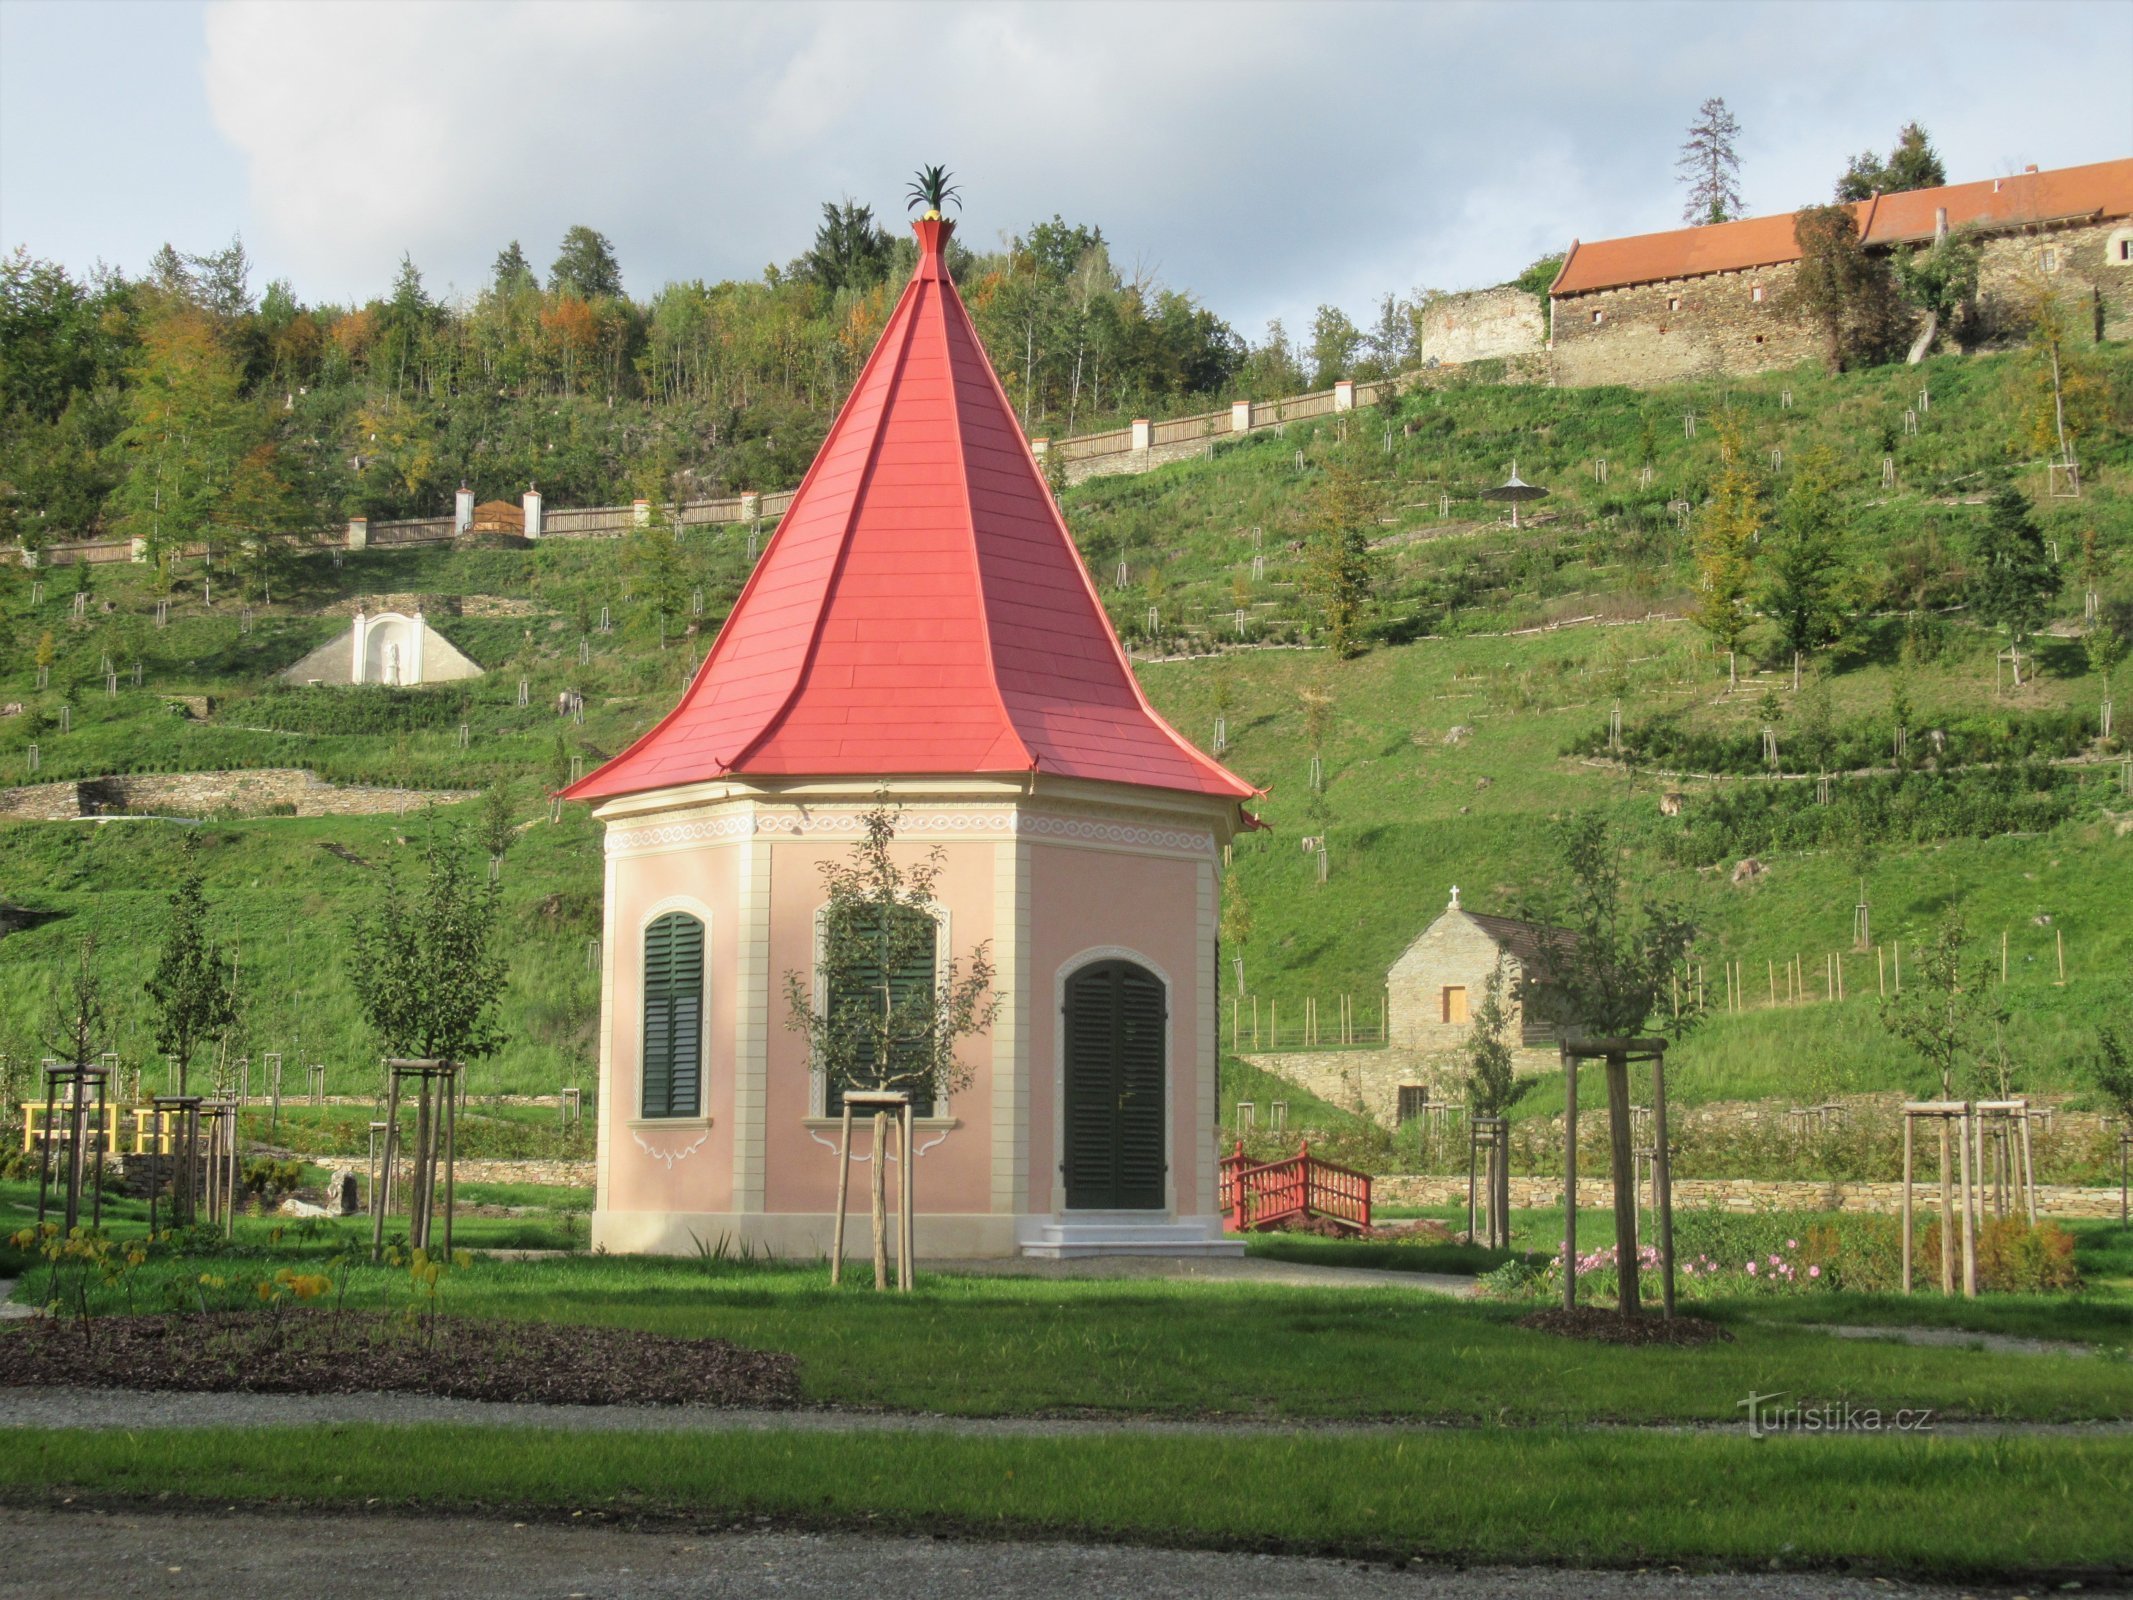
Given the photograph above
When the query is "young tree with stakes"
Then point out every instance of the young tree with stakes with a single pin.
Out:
(1710, 166)
(1946, 1014)
(883, 1014)
(1491, 1090)
(194, 984)
(1615, 961)
(426, 973)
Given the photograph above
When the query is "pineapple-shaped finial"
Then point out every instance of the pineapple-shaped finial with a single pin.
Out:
(932, 190)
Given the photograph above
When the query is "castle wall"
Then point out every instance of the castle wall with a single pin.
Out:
(1482, 325)
(2084, 265)
(1683, 328)
(1703, 327)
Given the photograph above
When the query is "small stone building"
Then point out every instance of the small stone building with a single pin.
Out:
(387, 648)
(1436, 986)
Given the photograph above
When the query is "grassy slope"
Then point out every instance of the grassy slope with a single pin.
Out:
(1407, 814)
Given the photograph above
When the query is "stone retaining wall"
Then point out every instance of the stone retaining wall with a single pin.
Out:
(194, 794)
(1733, 1194)
(1372, 1079)
(571, 1174)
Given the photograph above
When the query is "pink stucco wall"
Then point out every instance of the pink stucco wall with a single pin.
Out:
(705, 881)
(800, 1173)
(1085, 900)
(1082, 903)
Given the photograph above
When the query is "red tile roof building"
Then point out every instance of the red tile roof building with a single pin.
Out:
(1689, 301)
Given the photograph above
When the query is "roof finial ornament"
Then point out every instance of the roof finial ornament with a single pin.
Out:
(1455, 898)
(932, 190)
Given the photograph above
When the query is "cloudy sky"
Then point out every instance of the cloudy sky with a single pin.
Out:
(1269, 156)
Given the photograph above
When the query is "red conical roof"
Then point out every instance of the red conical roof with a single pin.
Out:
(922, 608)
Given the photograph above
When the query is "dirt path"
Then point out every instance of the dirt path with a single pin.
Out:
(129, 1409)
(210, 1556)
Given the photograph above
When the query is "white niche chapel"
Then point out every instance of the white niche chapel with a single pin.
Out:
(389, 648)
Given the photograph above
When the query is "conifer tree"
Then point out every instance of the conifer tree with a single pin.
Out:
(1804, 594)
(1340, 571)
(1710, 165)
(2013, 578)
(193, 985)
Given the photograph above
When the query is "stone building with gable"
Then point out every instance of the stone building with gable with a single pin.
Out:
(1435, 987)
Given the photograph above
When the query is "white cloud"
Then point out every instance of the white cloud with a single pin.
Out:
(1269, 156)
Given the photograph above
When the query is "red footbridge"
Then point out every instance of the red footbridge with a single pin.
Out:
(1299, 1188)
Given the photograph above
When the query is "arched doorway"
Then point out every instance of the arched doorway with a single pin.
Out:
(1116, 1156)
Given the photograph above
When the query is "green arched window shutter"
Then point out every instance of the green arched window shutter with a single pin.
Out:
(673, 1017)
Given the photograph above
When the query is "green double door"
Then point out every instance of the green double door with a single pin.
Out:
(1116, 1155)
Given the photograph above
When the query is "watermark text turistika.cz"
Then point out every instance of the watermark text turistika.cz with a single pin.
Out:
(1767, 1414)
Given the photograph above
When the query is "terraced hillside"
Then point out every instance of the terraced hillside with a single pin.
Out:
(1446, 749)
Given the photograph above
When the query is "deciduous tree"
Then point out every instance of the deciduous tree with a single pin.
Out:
(867, 1026)
(425, 968)
(1726, 529)
(1615, 955)
(1947, 1007)
(1848, 292)
(193, 987)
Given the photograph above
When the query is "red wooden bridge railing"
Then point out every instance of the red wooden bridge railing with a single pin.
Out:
(1267, 1194)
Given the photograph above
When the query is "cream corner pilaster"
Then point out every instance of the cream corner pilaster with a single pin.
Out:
(1209, 1036)
(1011, 1088)
(606, 1110)
(751, 1025)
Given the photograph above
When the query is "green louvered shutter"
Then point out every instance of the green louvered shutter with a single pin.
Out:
(673, 1017)
(1141, 1164)
(1115, 1149)
(915, 978)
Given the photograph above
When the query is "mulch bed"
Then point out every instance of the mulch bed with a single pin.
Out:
(1605, 1326)
(322, 1352)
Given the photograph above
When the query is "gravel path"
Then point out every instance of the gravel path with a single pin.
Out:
(121, 1408)
(1209, 1269)
(325, 1557)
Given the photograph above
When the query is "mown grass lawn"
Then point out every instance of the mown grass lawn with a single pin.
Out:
(1941, 1507)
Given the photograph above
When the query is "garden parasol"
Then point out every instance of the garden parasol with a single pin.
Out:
(1514, 491)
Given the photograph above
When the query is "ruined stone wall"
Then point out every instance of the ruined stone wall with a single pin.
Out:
(1481, 325)
(1683, 328)
(2085, 266)
(196, 794)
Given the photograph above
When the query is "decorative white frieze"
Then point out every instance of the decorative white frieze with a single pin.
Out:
(973, 823)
